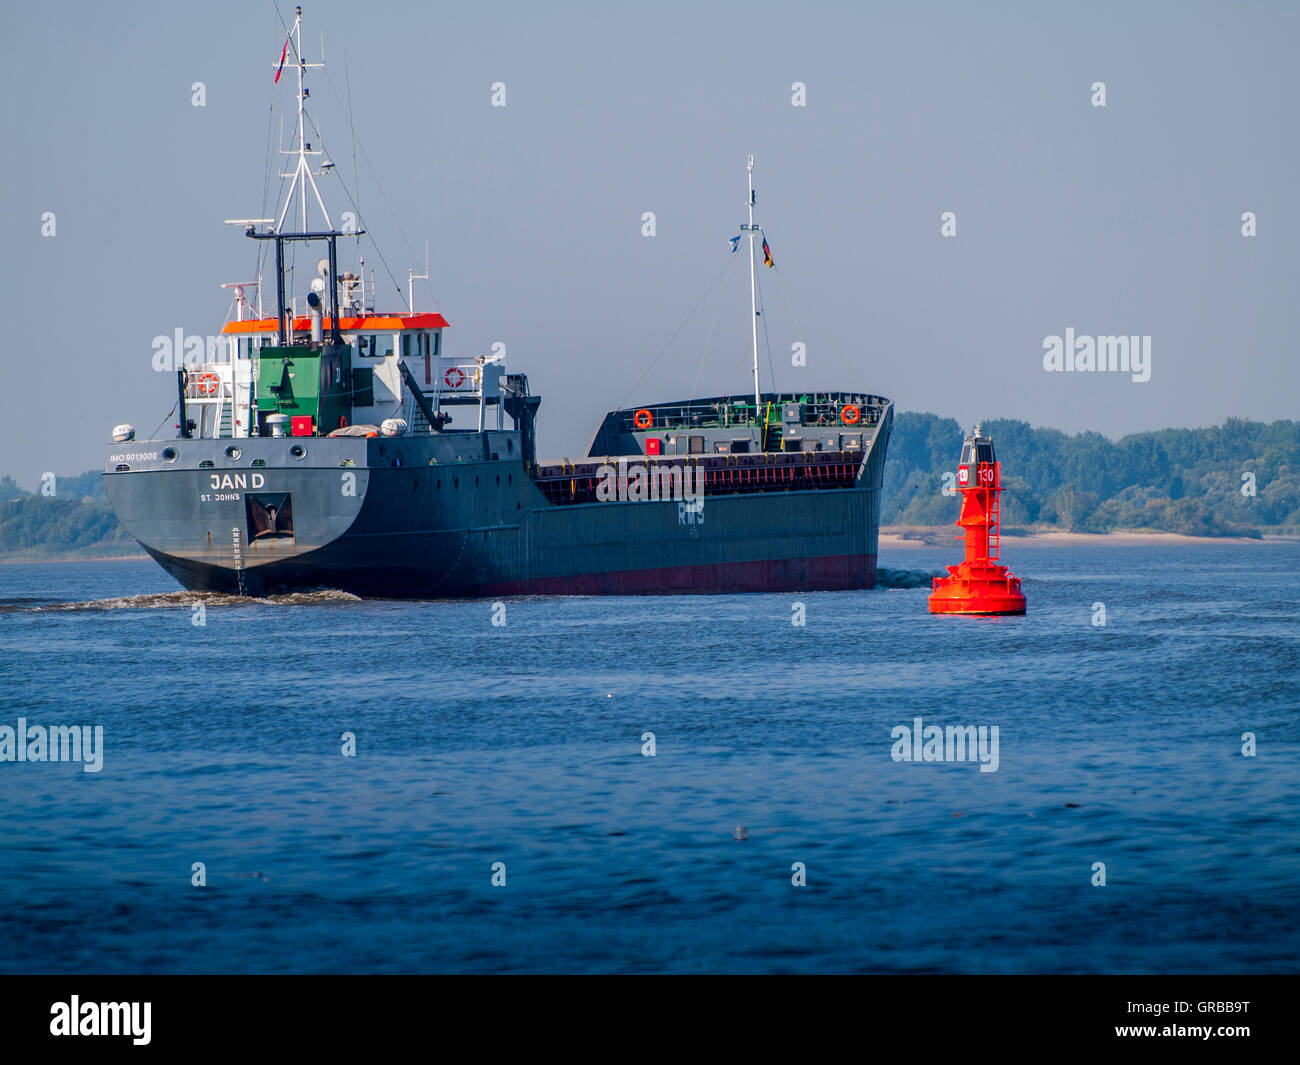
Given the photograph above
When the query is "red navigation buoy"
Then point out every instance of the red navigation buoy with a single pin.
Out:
(979, 584)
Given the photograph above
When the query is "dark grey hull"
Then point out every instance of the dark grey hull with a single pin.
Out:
(456, 514)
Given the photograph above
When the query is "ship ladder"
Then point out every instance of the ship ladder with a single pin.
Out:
(994, 521)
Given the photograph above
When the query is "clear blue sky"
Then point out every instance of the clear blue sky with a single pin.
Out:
(1124, 219)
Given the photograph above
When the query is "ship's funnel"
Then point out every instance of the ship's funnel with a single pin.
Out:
(317, 328)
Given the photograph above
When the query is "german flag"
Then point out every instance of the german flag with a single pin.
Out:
(284, 54)
(767, 254)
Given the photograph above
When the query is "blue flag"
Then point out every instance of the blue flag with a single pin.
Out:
(735, 242)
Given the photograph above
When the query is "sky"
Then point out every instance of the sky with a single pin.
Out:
(1123, 219)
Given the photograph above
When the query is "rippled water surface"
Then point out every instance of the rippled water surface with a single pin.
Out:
(521, 744)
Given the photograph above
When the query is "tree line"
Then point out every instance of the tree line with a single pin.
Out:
(1241, 478)
(75, 521)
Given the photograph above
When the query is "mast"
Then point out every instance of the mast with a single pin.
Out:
(302, 173)
(301, 177)
(412, 277)
(301, 169)
(753, 298)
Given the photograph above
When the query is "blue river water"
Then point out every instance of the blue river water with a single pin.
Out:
(522, 743)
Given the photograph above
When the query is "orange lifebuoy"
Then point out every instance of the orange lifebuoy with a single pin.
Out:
(459, 376)
(643, 419)
(207, 384)
(850, 415)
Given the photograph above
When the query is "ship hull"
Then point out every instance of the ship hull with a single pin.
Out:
(457, 515)
(342, 570)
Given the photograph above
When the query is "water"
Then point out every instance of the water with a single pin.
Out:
(522, 744)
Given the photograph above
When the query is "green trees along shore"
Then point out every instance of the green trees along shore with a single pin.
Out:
(1241, 478)
(75, 522)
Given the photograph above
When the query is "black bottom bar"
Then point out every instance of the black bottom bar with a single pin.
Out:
(908, 1013)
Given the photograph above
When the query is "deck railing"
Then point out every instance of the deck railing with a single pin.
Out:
(817, 409)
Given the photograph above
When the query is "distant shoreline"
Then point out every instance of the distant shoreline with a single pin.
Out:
(140, 557)
(901, 536)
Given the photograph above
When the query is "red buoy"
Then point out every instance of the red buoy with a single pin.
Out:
(979, 584)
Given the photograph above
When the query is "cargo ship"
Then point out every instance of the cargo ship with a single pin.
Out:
(337, 445)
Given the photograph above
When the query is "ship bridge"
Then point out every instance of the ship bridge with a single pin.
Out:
(344, 367)
(373, 375)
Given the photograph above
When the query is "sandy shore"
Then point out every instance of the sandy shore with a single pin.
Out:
(943, 536)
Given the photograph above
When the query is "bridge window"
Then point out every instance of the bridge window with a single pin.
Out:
(375, 345)
(415, 345)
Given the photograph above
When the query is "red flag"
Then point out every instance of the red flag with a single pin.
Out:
(283, 52)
